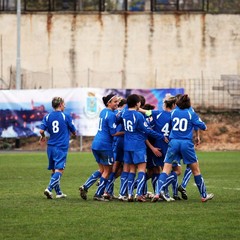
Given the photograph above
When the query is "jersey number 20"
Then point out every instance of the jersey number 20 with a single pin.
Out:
(180, 124)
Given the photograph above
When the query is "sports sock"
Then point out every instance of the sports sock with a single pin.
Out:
(175, 185)
(170, 179)
(55, 179)
(102, 186)
(186, 177)
(145, 186)
(123, 183)
(141, 183)
(57, 187)
(201, 185)
(131, 177)
(155, 177)
(110, 183)
(92, 179)
(161, 182)
(135, 184)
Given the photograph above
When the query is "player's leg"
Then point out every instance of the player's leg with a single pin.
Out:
(189, 157)
(162, 181)
(106, 161)
(131, 180)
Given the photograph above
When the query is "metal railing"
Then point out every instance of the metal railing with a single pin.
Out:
(116, 6)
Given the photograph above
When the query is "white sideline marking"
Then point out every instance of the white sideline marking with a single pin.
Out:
(238, 189)
(225, 188)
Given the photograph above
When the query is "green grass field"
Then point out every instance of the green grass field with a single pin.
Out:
(27, 214)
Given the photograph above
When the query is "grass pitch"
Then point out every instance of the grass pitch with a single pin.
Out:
(27, 214)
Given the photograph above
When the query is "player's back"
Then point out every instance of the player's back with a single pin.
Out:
(57, 127)
(162, 124)
(183, 122)
(106, 128)
(134, 137)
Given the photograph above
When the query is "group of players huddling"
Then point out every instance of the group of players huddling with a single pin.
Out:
(137, 144)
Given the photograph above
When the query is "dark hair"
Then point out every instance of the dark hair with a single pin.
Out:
(184, 102)
(142, 100)
(132, 100)
(56, 101)
(148, 106)
(178, 96)
(170, 102)
(108, 98)
(122, 102)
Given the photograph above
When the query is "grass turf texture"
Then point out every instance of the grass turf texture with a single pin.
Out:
(27, 214)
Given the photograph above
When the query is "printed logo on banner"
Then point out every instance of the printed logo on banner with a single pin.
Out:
(91, 108)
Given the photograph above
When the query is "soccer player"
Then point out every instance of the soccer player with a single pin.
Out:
(117, 155)
(188, 172)
(136, 131)
(162, 124)
(59, 125)
(102, 148)
(181, 144)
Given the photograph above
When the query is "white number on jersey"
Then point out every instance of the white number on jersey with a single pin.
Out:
(128, 125)
(165, 130)
(55, 126)
(100, 124)
(180, 124)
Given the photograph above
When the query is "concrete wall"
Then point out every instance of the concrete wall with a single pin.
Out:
(138, 50)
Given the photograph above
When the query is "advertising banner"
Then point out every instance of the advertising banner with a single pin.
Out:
(21, 111)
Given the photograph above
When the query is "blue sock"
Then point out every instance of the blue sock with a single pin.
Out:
(186, 177)
(57, 188)
(102, 186)
(201, 185)
(145, 186)
(155, 177)
(135, 184)
(131, 177)
(166, 191)
(141, 183)
(92, 179)
(175, 184)
(55, 179)
(123, 183)
(110, 183)
(161, 182)
(169, 179)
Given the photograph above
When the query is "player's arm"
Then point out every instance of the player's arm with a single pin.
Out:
(147, 113)
(197, 139)
(155, 150)
(197, 122)
(42, 136)
(117, 134)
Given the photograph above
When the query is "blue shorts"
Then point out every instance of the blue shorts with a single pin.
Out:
(135, 157)
(150, 161)
(57, 157)
(158, 161)
(104, 157)
(181, 149)
(118, 155)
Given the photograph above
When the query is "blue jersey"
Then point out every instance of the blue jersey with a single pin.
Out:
(58, 125)
(183, 122)
(162, 124)
(118, 140)
(106, 128)
(136, 130)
